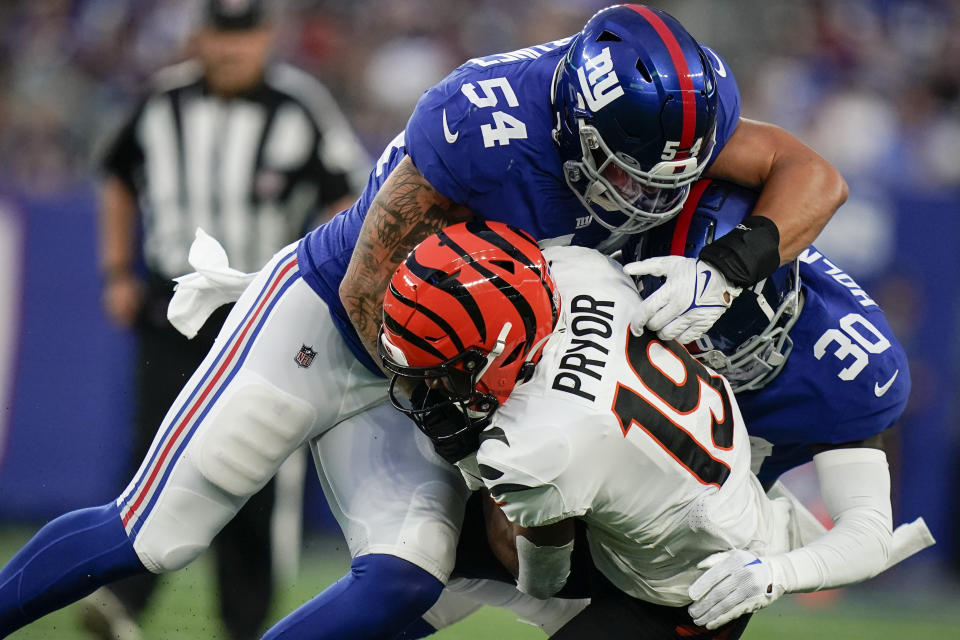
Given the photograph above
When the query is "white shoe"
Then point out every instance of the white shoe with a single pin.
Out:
(104, 616)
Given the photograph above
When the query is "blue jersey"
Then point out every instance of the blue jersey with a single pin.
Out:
(845, 380)
(483, 138)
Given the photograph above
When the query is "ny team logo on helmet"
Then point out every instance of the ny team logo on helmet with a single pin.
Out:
(750, 343)
(636, 102)
(471, 308)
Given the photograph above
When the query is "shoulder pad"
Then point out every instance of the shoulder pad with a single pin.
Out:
(519, 469)
(517, 458)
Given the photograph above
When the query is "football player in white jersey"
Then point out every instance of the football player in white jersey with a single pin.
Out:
(628, 434)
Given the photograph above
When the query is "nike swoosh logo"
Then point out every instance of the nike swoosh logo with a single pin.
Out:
(451, 137)
(722, 71)
(706, 281)
(879, 390)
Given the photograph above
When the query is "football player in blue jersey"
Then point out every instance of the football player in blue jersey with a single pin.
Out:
(579, 141)
(818, 374)
(808, 352)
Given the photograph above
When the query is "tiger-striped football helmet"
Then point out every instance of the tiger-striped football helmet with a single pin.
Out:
(467, 313)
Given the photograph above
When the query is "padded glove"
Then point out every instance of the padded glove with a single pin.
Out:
(692, 298)
(734, 583)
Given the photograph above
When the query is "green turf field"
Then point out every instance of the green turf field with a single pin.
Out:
(185, 609)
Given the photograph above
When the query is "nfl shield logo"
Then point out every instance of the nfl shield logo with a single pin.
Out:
(305, 357)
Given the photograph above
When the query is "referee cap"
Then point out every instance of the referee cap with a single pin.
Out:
(235, 15)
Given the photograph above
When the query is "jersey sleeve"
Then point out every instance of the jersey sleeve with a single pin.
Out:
(437, 138)
(729, 112)
(122, 155)
(525, 471)
(856, 351)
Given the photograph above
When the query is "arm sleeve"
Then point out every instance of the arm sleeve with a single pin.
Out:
(855, 486)
(543, 570)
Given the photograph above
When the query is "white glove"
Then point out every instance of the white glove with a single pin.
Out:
(692, 298)
(736, 582)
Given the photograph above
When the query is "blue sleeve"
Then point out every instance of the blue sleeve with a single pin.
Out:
(485, 133)
(847, 376)
(729, 113)
(438, 138)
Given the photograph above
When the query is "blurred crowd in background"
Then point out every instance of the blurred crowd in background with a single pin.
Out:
(873, 85)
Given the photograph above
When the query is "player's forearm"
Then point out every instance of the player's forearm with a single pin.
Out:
(801, 194)
(799, 189)
(855, 484)
(406, 210)
(117, 228)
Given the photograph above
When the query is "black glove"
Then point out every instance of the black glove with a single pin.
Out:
(454, 434)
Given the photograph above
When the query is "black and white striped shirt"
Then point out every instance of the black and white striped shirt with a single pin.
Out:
(252, 170)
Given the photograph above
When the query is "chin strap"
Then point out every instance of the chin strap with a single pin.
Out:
(497, 349)
(526, 371)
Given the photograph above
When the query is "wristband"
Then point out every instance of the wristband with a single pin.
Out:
(748, 254)
(543, 570)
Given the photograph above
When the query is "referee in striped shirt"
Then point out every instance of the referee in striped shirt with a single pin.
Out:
(252, 152)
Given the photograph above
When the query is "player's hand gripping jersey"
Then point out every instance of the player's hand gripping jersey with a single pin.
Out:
(633, 435)
(845, 377)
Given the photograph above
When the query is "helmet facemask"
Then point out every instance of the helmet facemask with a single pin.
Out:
(612, 182)
(456, 383)
(636, 103)
(755, 362)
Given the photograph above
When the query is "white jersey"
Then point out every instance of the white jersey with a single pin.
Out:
(631, 434)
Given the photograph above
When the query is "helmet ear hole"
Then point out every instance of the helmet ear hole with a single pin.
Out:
(516, 353)
(526, 372)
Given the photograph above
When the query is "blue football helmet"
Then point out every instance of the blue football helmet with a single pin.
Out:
(636, 104)
(750, 342)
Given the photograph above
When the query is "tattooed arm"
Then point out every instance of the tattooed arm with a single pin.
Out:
(406, 210)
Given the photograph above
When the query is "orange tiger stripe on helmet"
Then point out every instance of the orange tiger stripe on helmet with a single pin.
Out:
(457, 290)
